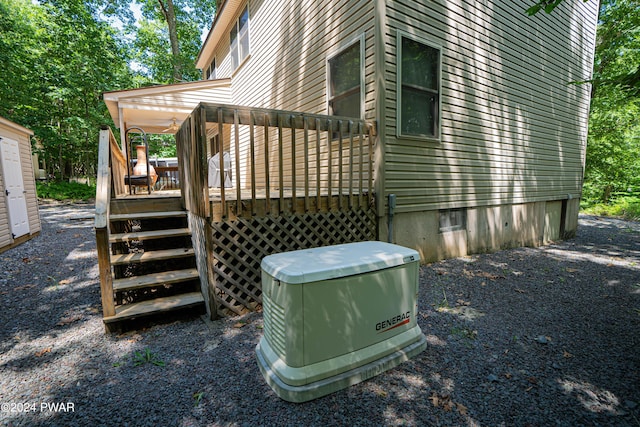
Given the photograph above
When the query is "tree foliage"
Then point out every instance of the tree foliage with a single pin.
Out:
(547, 5)
(613, 149)
(618, 28)
(57, 57)
(56, 60)
(167, 40)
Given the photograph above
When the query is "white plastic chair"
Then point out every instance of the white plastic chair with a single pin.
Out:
(214, 171)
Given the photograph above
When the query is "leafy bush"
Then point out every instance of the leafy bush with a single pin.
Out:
(61, 190)
(627, 207)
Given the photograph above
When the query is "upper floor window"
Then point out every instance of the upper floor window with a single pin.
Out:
(345, 82)
(211, 70)
(418, 89)
(239, 39)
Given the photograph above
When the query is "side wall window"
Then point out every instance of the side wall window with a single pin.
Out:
(239, 39)
(418, 89)
(345, 82)
(211, 70)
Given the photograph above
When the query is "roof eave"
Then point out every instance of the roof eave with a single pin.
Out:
(16, 127)
(228, 9)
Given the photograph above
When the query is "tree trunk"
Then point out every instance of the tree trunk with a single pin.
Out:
(170, 16)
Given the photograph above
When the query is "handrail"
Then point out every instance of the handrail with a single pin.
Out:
(118, 167)
(116, 153)
(103, 200)
(290, 119)
(103, 179)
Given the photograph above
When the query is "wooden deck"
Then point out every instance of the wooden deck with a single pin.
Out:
(300, 181)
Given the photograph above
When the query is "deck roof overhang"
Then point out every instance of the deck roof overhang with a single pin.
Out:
(155, 108)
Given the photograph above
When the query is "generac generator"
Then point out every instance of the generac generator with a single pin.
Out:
(335, 316)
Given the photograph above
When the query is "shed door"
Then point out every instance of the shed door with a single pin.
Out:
(14, 187)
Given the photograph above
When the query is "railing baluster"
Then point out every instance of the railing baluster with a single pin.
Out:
(223, 204)
(252, 148)
(318, 197)
(306, 163)
(329, 162)
(280, 165)
(361, 163)
(266, 162)
(370, 133)
(340, 154)
(236, 125)
(294, 203)
(202, 166)
(193, 131)
(350, 164)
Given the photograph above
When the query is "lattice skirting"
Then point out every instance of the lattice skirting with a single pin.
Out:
(240, 245)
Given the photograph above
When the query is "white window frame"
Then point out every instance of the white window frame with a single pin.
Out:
(360, 39)
(438, 122)
(236, 45)
(210, 73)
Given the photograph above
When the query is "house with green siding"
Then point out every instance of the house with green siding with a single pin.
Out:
(478, 128)
(481, 133)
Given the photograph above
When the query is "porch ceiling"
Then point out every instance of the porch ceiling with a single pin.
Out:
(154, 108)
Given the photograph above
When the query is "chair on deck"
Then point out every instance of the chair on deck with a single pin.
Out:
(214, 171)
(142, 174)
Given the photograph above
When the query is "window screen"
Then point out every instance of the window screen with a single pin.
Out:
(345, 83)
(419, 89)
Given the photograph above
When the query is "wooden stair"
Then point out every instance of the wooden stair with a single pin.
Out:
(151, 256)
(152, 261)
(136, 282)
(158, 305)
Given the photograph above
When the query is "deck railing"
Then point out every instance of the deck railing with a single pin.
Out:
(290, 161)
(168, 178)
(110, 183)
(293, 181)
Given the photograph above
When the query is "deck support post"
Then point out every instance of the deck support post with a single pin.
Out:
(106, 284)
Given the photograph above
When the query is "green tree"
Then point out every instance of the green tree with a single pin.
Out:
(547, 5)
(57, 59)
(613, 149)
(19, 51)
(168, 38)
(620, 21)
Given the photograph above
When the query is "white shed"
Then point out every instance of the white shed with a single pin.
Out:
(19, 217)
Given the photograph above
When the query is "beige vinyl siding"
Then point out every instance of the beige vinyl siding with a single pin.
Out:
(222, 55)
(286, 69)
(290, 42)
(513, 129)
(28, 179)
(5, 231)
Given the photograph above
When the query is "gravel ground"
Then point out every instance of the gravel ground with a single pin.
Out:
(524, 337)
